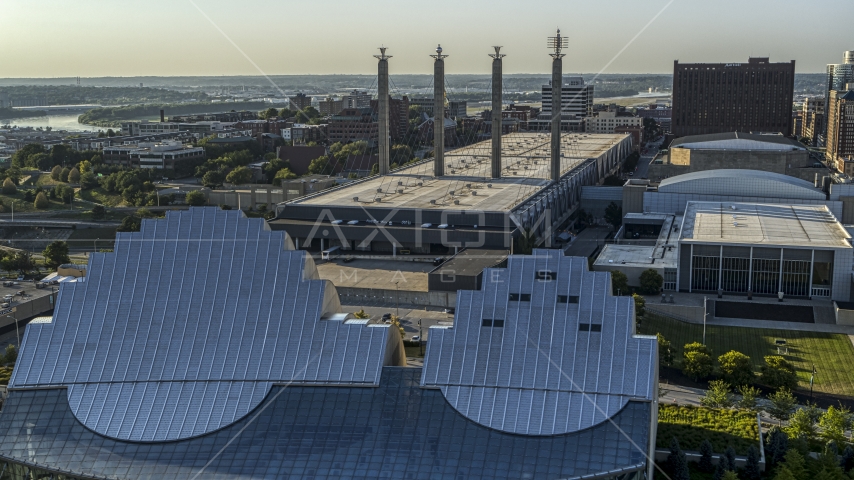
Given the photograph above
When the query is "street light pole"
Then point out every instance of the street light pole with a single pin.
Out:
(705, 315)
(420, 337)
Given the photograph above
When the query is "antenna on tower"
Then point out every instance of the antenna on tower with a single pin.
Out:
(382, 55)
(439, 55)
(497, 54)
(557, 44)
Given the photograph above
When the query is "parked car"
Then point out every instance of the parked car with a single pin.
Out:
(416, 338)
(5, 305)
(8, 284)
(348, 259)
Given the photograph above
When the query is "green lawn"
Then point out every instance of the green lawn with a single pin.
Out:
(24, 206)
(832, 354)
(98, 195)
(44, 180)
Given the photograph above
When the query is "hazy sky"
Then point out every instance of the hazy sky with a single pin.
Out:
(58, 38)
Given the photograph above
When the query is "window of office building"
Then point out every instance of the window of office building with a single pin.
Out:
(704, 274)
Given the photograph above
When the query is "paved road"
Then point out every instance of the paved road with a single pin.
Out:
(646, 157)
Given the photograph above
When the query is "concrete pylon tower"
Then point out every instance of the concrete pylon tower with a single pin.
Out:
(439, 113)
(557, 43)
(497, 84)
(382, 101)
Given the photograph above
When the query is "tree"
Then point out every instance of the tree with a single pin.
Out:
(847, 462)
(9, 187)
(730, 475)
(782, 404)
(696, 347)
(614, 215)
(56, 254)
(833, 424)
(801, 425)
(361, 314)
(196, 198)
(88, 181)
(718, 395)
(74, 175)
(375, 169)
(697, 365)
(10, 355)
(239, 176)
(320, 166)
(41, 201)
(401, 154)
(784, 474)
(272, 167)
(751, 467)
(749, 398)
(63, 175)
(285, 174)
(130, 224)
(729, 456)
(640, 305)
(99, 212)
(719, 470)
(619, 283)
(677, 463)
(55, 172)
(42, 161)
(651, 282)
(21, 261)
(395, 321)
(706, 451)
(212, 179)
(269, 113)
(795, 463)
(778, 373)
(665, 350)
(736, 368)
(778, 444)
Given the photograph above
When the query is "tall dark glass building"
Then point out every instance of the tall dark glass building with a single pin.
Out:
(733, 97)
(206, 347)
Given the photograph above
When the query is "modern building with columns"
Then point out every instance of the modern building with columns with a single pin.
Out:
(764, 249)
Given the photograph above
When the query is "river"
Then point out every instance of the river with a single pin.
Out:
(64, 121)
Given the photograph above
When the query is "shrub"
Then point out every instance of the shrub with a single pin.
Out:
(736, 368)
(54, 173)
(640, 305)
(833, 424)
(693, 425)
(41, 201)
(9, 187)
(696, 361)
(63, 174)
(665, 350)
(778, 373)
(749, 398)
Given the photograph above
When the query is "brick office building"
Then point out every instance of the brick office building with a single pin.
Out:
(733, 97)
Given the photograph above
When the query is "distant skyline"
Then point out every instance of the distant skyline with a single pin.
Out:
(94, 38)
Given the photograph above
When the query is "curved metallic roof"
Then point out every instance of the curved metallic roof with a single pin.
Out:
(741, 182)
(185, 327)
(565, 357)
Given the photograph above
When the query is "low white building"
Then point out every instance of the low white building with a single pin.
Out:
(606, 122)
